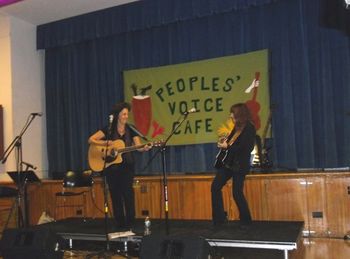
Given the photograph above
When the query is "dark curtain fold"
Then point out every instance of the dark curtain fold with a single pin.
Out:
(309, 89)
(138, 15)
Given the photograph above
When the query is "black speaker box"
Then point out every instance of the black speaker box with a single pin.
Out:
(31, 244)
(174, 247)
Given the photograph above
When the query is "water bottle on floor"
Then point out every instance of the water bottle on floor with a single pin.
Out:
(147, 226)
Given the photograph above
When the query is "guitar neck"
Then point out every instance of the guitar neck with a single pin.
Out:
(263, 138)
(131, 148)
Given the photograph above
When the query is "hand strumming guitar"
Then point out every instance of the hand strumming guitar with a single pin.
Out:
(222, 143)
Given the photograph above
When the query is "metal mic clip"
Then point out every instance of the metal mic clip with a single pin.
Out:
(29, 165)
(192, 110)
(37, 114)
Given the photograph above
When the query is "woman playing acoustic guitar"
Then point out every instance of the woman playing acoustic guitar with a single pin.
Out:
(233, 161)
(120, 174)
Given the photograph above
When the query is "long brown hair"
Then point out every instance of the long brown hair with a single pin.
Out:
(242, 115)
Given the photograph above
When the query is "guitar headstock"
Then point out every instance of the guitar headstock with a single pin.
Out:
(158, 143)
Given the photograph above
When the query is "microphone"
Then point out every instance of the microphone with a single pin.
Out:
(110, 120)
(192, 110)
(132, 127)
(28, 165)
(37, 114)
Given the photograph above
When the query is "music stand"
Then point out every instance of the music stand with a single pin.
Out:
(21, 179)
(24, 177)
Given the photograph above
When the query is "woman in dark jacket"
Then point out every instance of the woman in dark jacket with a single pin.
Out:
(233, 161)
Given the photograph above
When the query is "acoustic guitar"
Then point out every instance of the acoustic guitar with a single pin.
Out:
(222, 154)
(98, 155)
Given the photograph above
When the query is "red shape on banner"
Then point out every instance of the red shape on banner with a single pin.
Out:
(142, 111)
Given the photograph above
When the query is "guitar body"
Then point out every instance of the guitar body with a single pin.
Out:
(254, 108)
(97, 155)
(220, 157)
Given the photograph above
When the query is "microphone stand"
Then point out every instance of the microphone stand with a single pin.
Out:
(22, 220)
(105, 202)
(105, 196)
(165, 180)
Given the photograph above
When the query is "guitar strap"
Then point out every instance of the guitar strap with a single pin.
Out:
(234, 137)
(127, 157)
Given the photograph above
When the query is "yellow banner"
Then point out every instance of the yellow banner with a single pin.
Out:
(162, 96)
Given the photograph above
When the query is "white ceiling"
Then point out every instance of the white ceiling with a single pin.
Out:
(39, 12)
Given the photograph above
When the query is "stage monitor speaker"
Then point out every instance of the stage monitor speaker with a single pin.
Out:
(31, 244)
(174, 247)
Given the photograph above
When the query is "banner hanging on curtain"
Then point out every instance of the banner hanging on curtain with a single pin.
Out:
(161, 95)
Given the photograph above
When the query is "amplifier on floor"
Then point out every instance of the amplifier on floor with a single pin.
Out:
(31, 244)
(174, 247)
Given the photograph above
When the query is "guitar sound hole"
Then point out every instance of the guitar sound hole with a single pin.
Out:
(112, 156)
(110, 159)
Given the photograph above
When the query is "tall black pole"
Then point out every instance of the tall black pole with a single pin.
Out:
(165, 178)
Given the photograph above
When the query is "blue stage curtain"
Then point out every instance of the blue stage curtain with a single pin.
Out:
(309, 80)
(135, 16)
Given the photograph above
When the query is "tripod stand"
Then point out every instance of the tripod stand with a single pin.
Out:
(22, 219)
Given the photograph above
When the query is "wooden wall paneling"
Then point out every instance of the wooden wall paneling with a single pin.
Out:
(97, 200)
(286, 199)
(94, 207)
(256, 198)
(316, 206)
(148, 198)
(196, 199)
(337, 192)
(270, 197)
(5, 209)
(77, 205)
(175, 198)
(40, 197)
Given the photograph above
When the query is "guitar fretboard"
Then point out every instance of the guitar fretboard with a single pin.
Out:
(132, 148)
(129, 149)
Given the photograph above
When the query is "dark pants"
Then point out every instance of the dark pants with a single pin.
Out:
(120, 182)
(218, 212)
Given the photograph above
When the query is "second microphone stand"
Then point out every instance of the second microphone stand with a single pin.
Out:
(164, 171)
